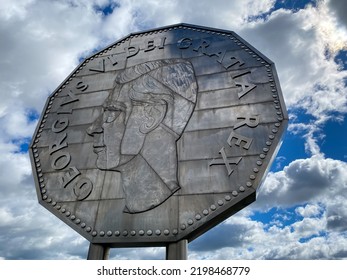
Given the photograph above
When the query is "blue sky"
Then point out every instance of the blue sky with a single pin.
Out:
(301, 209)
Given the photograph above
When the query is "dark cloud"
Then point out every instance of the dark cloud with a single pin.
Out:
(339, 8)
(225, 235)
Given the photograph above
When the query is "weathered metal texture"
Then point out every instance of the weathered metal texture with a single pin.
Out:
(159, 137)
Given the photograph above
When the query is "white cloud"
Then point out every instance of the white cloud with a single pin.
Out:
(310, 210)
(297, 43)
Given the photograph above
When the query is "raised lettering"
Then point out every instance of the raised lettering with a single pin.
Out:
(184, 43)
(225, 160)
(56, 146)
(149, 45)
(231, 60)
(81, 86)
(131, 51)
(60, 125)
(162, 42)
(246, 87)
(239, 138)
(112, 59)
(61, 160)
(100, 67)
(69, 176)
(202, 47)
(73, 97)
(83, 188)
(252, 122)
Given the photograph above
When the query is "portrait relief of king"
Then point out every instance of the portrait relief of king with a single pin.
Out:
(159, 136)
(136, 133)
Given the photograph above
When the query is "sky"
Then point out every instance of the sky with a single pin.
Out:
(301, 209)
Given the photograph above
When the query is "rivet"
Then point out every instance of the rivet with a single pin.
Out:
(54, 203)
(49, 200)
(234, 193)
(280, 119)
(58, 207)
(41, 180)
(67, 214)
(73, 217)
(117, 233)
(262, 156)
(77, 221)
(268, 143)
(109, 233)
(213, 207)
(227, 197)
(125, 233)
(88, 229)
(255, 170)
(274, 130)
(183, 226)
(241, 189)
(102, 233)
(277, 124)
(158, 232)
(44, 197)
(190, 222)
(94, 233)
(83, 225)
(43, 191)
(249, 184)
(252, 177)
(272, 137)
(259, 162)
(175, 231)
(141, 232)
(63, 210)
(166, 232)
(149, 232)
(133, 233)
(220, 202)
(197, 217)
(205, 212)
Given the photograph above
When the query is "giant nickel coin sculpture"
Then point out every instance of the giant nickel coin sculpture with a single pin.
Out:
(159, 137)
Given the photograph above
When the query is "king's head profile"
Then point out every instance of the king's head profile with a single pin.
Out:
(136, 134)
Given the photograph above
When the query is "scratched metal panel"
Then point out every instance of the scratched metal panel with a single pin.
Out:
(159, 137)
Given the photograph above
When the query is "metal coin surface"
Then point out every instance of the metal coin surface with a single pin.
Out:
(159, 136)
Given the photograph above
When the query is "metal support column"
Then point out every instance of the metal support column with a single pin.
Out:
(98, 252)
(177, 250)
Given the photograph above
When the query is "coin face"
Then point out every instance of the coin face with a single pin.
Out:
(159, 137)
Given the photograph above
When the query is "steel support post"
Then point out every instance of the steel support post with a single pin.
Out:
(177, 250)
(98, 252)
